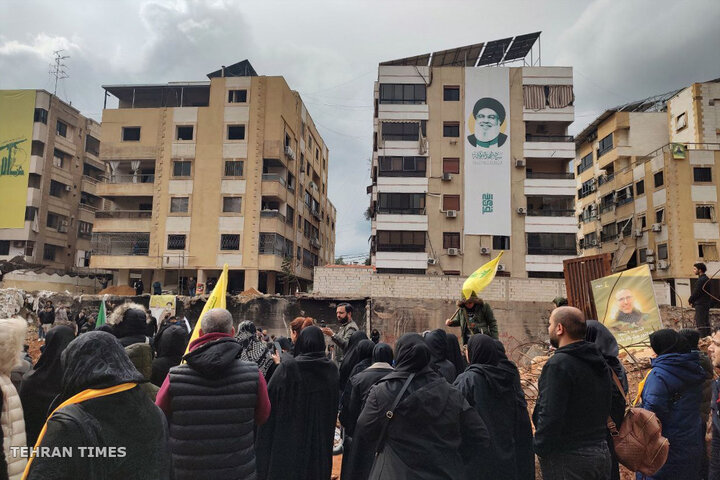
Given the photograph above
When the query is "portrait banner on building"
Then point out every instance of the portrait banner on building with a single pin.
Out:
(626, 304)
(17, 108)
(487, 151)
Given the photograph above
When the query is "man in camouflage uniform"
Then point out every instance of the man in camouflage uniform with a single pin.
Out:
(473, 316)
(347, 328)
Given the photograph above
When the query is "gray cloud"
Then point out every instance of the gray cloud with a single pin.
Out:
(329, 52)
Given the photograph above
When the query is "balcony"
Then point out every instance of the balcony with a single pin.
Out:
(37, 163)
(272, 214)
(550, 213)
(123, 221)
(273, 177)
(314, 242)
(550, 175)
(89, 184)
(121, 243)
(556, 147)
(274, 185)
(127, 186)
(552, 251)
(549, 138)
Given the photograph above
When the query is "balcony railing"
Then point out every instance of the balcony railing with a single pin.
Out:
(605, 178)
(273, 177)
(549, 138)
(120, 243)
(87, 207)
(400, 248)
(272, 214)
(607, 208)
(123, 178)
(604, 237)
(550, 213)
(401, 211)
(550, 175)
(123, 214)
(552, 251)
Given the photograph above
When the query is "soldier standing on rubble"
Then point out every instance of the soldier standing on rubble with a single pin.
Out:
(473, 316)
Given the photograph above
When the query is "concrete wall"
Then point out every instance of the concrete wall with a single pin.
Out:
(31, 281)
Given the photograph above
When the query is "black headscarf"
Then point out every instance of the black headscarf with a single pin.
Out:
(411, 353)
(454, 354)
(382, 353)
(42, 384)
(436, 341)
(351, 357)
(483, 350)
(668, 340)
(95, 360)
(310, 341)
(692, 337)
(285, 343)
(134, 322)
(599, 334)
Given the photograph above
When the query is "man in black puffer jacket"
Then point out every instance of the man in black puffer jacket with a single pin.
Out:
(573, 404)
(213, 403)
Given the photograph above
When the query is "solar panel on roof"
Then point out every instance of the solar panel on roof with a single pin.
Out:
(457, 56)
(521, 46)
(494, 51)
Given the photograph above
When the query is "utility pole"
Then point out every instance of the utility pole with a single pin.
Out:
(57, 69)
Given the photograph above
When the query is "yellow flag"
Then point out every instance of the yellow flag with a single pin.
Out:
(481, 278)
(215, 300)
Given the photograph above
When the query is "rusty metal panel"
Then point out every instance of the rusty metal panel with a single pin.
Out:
(579, 272)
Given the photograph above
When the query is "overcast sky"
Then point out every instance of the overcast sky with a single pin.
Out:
(329, 52)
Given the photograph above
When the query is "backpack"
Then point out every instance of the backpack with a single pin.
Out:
(639, 444)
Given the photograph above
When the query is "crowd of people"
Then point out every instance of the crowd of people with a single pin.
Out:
(126, 401)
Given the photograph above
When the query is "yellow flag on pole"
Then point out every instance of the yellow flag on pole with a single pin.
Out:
(481, 278)
(215, 300)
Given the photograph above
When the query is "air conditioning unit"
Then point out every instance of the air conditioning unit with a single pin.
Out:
(451, 213)
(651, 266)
(446, 177)
(501, 267)
(520, 162)
(63, 227)
(593, 243)
(638, 232)
(289, 152)
(663, 265)
(484, 251)
(521, 210)
(650, 252)
(68, 188)
(649, 259)
(431, 261)
(657, 227)
(452, 252)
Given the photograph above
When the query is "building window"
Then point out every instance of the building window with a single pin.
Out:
(681, 121)
(451, 129)
(401, 132)
(642, 255)
(451, 165)
(59, 158)
(236, 132)
(230, 241)
(31, 213)
(234, 168)
(606, 144)
(184, 132)
(289, 215)
(232, 204)
(84, 229)
(662, 251)
(704, 212)
(451, 202)
(401, 203)
(237, 96)
(61, 128)
(37, 148)
(179, 204)
(451, 240)
(660, 215)
(609, 232)
(49, 252)
(624, 195)
(400, 241)
(4, 247)
(402, 166)
(402, 93)
(708, 252)
(500, 242)
(551, 244)
(585, 163)
(57, 189)
(92, 145)
(41, 115)
(131, 134)
(182, 168)
(702, 174)
(176, 242)
(625, 227)
(642, 221)
(640, 188)
(659, 180)
(275, 244)
(451, 94)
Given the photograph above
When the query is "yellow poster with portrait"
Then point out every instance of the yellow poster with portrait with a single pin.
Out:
(626, 304)
(17, 108)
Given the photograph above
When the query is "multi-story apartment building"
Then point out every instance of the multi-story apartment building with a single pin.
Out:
(50, 172)
(200, 174)
(647, 184)
(471, 158)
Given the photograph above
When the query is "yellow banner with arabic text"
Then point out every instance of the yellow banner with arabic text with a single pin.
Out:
(17, 108)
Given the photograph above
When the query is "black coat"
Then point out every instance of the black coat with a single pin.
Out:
(433, 432)
(297, 440)
(491, 390)
(170, 346)
(127, 420)
(438, 345)
(699, 295)
(575, 390)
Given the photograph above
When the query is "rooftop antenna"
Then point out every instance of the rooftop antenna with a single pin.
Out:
(58, 69)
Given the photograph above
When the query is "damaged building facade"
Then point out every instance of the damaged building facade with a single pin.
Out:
(226, 171)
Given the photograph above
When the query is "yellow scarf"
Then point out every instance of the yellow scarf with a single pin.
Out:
(78, 398)
(641, 385)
